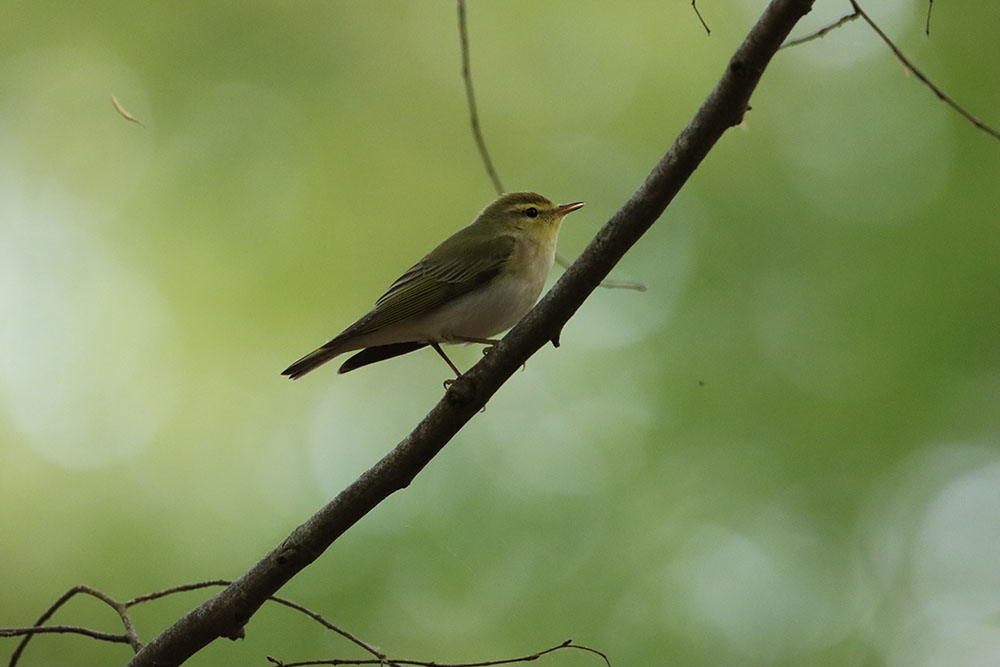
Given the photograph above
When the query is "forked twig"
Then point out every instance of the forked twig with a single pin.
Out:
(130, 637)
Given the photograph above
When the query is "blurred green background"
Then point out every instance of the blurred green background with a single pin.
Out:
(785, 452)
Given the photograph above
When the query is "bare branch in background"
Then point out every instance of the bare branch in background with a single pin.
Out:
(944, 97)
(433, 663)
(470, 95)
(927, 28)
(923, 78)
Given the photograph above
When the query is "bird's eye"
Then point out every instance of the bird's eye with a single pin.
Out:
(531, 212)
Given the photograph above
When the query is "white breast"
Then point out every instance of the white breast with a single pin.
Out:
(490, 310)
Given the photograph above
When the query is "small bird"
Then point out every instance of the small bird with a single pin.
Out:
(477, 283)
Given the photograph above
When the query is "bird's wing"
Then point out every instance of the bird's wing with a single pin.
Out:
(431, 283)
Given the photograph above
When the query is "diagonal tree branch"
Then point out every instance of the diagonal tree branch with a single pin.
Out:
(225, 614)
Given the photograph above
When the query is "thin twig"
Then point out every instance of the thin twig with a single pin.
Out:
(822, 31)
(430, 663)
(63, 629)
(610, 283)
(470, 95)
(382, 658)
(920, 75)
(614, 283)
(176, 589)
(698, 14)
(927, 28)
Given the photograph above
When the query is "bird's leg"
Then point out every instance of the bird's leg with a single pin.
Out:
(458, 374)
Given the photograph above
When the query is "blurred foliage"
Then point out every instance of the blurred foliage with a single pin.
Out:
(785, 452)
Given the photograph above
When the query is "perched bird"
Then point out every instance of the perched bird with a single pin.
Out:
(476, 284)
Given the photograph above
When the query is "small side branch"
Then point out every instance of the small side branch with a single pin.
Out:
(822, 31)
(176, 589)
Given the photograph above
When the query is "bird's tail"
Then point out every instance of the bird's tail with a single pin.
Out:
(312, 361)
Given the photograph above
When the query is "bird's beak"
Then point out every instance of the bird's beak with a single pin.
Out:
(563, 209)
